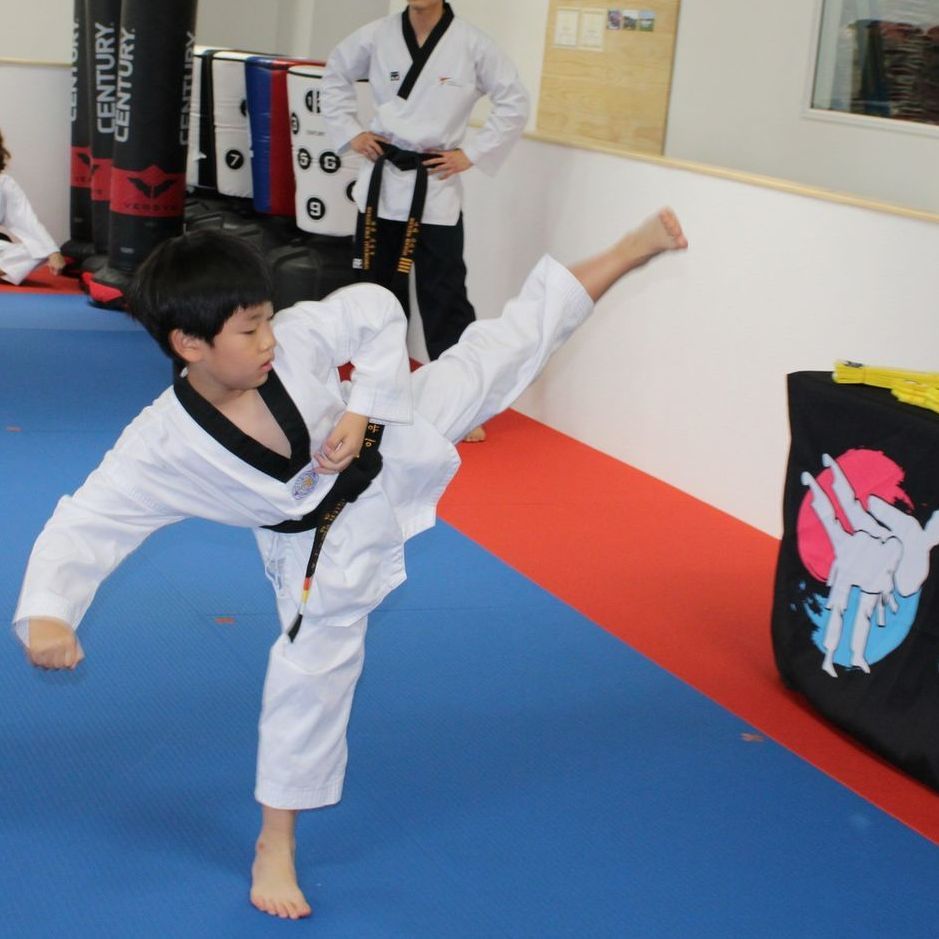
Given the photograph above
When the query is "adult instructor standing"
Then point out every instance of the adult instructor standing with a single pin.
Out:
(426, 69)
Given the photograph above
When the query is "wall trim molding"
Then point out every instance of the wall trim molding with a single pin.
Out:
(750, 179)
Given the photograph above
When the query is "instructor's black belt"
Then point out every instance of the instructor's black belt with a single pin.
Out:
(349, 485)
(367, 235)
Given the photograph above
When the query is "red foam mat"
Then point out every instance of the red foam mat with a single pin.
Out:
(682, 583)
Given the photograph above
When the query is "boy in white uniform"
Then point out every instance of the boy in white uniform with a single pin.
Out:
(253, 434)
(426, 69)
(24, 241)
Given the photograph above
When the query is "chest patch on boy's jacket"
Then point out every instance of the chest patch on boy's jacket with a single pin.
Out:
(304, 483)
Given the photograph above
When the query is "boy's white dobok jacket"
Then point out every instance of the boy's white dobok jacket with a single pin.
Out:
(180, 458)
(463, 66)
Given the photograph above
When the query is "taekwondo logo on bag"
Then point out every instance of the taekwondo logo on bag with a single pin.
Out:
(868, 556)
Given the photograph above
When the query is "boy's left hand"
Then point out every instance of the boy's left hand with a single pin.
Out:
(343, 444)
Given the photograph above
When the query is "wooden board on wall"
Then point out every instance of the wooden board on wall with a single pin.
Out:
(616, 95)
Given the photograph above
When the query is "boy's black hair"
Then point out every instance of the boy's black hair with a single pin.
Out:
(195, 283)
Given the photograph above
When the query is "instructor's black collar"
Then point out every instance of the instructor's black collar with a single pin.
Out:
(420, 54)
(246, 448)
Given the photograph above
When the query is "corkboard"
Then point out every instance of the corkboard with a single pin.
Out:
(618, 95)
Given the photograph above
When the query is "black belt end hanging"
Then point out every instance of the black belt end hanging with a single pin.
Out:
(349, 485)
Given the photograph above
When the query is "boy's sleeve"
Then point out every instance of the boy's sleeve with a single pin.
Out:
(88, 535)
(365, 325)
(348, 63)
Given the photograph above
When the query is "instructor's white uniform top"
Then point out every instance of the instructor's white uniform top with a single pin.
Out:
(463, 66)
(174, 462)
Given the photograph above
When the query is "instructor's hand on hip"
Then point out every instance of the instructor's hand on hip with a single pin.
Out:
(447, 163)
(368, 144)
(53, 644)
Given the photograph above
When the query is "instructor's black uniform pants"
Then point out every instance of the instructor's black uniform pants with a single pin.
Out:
(439, 274)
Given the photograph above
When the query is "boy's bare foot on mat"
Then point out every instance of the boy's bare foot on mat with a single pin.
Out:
(274, 888)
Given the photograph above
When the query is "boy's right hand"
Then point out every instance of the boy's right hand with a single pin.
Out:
(53, 644)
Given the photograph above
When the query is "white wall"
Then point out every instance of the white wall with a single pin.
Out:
(41, 31)
(332, 21)
(250, 26)
(682, 372)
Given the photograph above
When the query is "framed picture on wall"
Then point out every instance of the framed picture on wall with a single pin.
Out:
(878, 59)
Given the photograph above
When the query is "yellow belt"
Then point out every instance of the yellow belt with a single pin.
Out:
(919, 388)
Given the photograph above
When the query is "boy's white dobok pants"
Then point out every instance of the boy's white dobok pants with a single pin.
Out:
(16, 263)
(311, 682)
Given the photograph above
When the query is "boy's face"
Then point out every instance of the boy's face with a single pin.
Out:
(239, 357)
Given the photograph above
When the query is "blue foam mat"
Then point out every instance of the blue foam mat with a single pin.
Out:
(72, 312)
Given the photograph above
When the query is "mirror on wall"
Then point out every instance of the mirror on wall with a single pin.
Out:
(879, 58)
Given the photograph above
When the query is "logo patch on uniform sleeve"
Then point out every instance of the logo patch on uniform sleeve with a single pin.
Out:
(394, 76)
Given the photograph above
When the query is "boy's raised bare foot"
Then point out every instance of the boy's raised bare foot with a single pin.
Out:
(658, 233)
(476, 435)
(274, 888)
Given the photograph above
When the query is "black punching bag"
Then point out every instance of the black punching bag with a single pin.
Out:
(104, 23)
(151, 130)
(79, 244)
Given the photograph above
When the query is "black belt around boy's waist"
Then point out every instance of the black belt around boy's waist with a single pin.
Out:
(367, 234)
(349, 485)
